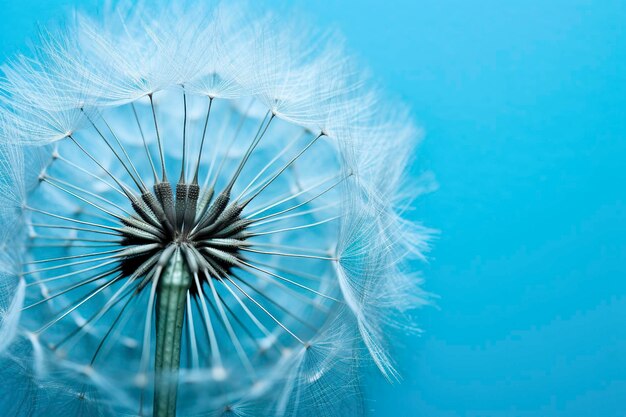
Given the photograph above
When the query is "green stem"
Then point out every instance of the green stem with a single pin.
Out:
(170, 314)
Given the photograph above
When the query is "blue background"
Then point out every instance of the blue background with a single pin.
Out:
(524, 108)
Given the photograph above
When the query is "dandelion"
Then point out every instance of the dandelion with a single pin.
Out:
(202, 215)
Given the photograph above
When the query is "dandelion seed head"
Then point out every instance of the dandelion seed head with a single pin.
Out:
(202, 205)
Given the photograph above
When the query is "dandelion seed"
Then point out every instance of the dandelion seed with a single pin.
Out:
(201, 216)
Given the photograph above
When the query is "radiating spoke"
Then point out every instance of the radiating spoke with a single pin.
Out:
(92, 175)
(231, 333)
(272, 219)
(136, 180)
(145, 144)
(69, 274)
(227, 151)
(71, 264)
(72, 288)
(74, 239)
(112, 326)
(65, 258)
(55, 181)
(310, 251)
(249, 297)
(249, 313)
(78, 304)
(292, 282)
(215, 352)
(289, 255)
(291, 229)
(267, 166)
(280, 306)
(289, 271)
(135, 173)
(288, 197)
(257, 138)
(280, 171)
(158, 135)
(241, 324)
(305, 297)
(71, 245)
(206, 123)
(191, 332)
(147, 336)
(80, 330)
(124, 187)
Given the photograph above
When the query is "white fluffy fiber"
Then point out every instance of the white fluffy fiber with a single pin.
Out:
(305, 78)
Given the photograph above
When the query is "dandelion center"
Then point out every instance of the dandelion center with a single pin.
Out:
(208, 233)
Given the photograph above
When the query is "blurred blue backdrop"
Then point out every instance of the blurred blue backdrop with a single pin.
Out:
(524, 108)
